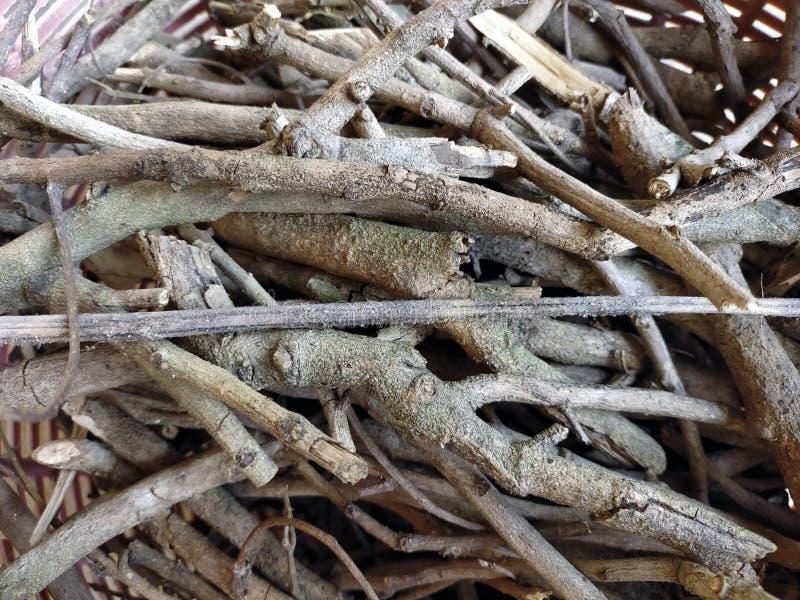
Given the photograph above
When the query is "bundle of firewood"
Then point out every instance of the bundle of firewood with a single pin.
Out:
(448, 299)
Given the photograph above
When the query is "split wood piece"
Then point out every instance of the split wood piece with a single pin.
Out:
(549, 68)
(86, 456)
(693, 93)
(110, 516)
(724, 153)
(204, 241)
(378, 64)
(426, 155)
(147, 451)
(411, 263)
(767, 379)
(335, 406)
(17, 524)
(60, 118)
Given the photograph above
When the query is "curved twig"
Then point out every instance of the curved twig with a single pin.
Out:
(322, 537)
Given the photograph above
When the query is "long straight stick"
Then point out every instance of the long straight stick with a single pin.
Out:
(181, 323)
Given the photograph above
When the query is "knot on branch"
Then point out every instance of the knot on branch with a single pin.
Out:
(427, 108)
(282, 359)
(298, 141)
(423, 389)
(359, 91)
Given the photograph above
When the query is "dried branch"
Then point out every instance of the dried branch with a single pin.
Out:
(659, 354)
(154, 326)
(705, 163)
(693, 577)
(60, 118)
(464, 201)
(15, 21)
(55, 192)
(86, 456)
(376, 65)
(326, 539)
(111, 516)
(613, 21)
(116, 49)
(208, 560)
(143, 448)
(765, 376)
(142, 555)
(192, 87)
(516, 531)
(404, 483)
(720, 31)
(17, 524)
(663, 242)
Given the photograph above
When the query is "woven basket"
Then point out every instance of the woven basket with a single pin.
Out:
(756, 20)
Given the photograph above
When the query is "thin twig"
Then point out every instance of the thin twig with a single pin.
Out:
(721, 31)
(55, 192)
(63, 482)
(322, 537)
(404, 483)
(659, 354)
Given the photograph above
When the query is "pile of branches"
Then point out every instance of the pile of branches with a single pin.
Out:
(359, 299)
